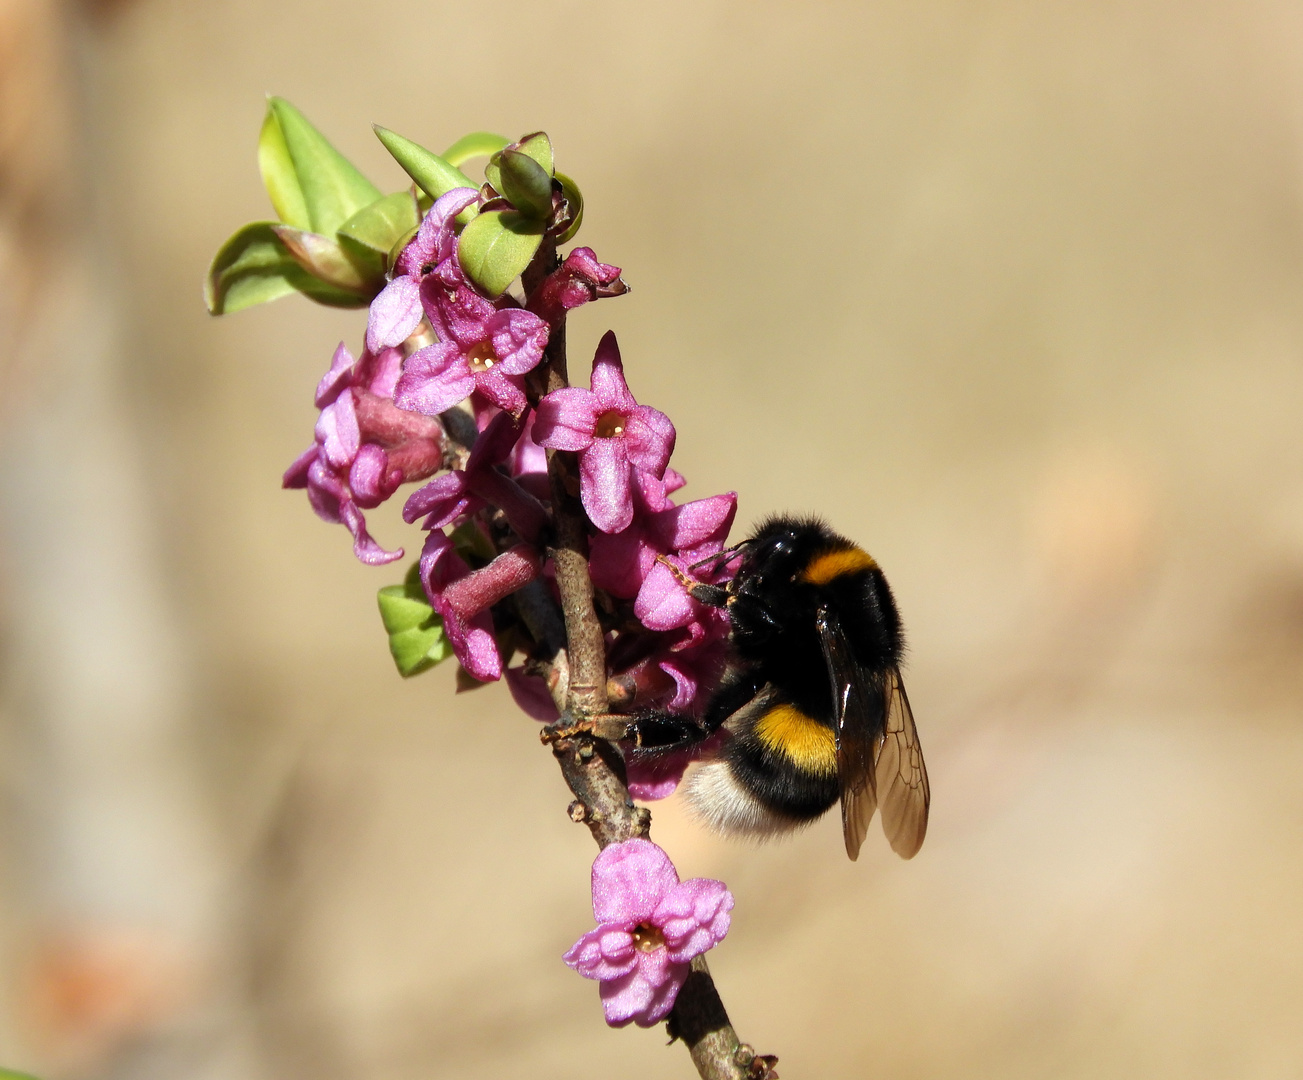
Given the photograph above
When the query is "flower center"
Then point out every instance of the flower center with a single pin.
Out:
(648, 938)
(482, 357)
(610, 425)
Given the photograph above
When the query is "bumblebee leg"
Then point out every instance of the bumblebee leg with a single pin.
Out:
(610, 727)
(711, 595)
(654, 734)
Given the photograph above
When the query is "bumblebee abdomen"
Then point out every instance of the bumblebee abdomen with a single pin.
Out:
(779, 772)
(805, 742)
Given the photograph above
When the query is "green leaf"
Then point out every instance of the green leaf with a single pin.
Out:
(575, 198)
(476, 144)
(253, 267)
(416, 638)
(526, 184)
(434, 175)
(278, 175)
(495, 247)
(12, 1074)
(332, 188)
(324, 258)
(370, 235)
(539, 147)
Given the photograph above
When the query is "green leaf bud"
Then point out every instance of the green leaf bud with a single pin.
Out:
(324, 258)
(254, 267)
(416, 638)
(476, 144)
(432, 174)
(526, 184)
(330, 188)
(369, 235)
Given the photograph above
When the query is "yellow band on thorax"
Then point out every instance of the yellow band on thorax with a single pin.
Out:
(808, 744)
(823, 568)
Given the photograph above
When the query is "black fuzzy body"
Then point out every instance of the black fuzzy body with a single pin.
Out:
(777, 661)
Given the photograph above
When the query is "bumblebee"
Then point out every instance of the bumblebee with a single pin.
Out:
(812, 697)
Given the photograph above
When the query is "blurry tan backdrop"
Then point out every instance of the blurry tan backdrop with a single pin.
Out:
(1013, 293)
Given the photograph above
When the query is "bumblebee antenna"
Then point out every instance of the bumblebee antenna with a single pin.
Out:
(722, 556)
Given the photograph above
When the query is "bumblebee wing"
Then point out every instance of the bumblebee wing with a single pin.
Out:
(857, 722)
(901, 776)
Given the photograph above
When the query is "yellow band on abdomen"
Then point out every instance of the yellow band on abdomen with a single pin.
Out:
(808, 744)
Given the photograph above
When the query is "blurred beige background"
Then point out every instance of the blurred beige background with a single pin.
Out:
(1012, 293)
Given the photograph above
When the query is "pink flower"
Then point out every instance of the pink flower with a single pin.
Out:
(482, 347)
(650, 926)
(613, 435)
(621, 562)
(365, 447)
(576, 281)
(396, 311)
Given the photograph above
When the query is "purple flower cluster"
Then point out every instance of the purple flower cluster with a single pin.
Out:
(443, 393)
(441, 360)
(650, 926)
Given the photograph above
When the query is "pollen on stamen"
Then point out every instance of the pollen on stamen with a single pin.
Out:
(610, 425)
(647, 938)
(481, 357)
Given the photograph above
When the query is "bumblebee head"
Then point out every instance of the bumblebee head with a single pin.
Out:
(789, 569)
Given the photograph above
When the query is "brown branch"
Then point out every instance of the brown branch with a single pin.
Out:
(593, 767)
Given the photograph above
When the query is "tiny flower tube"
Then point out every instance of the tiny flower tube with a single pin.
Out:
(462, 597)
(481, 589)
(650, 927)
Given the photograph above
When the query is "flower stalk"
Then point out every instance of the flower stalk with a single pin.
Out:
(593, 768)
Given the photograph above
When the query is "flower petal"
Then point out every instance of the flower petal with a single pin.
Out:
(503, 390)
(608, 376)
(337, 431)
(335, 379)
(434, 379)
(445, 498)
(649, 436)
(474, 644)
(364, 548)
(626, 998)
(395, 313)
(694, 917)
(381, 372)
(456, 311)
(619, 562)
(663, 604)
(605, 953)
(605, 476)
(566, 419)
(518, 338)
(370, 478)
(531, 694)
(629, 880)
(666, 979)
(296, 476)
(657, 778)
(693, 524)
